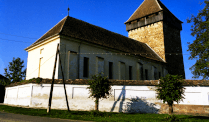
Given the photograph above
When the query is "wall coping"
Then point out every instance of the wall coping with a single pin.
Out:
(116, 82)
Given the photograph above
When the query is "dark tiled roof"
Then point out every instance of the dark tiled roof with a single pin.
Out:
(79, 29)
(148, 7)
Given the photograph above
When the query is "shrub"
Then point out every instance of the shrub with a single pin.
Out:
(38, 80)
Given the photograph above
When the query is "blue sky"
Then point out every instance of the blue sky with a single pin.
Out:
(24, 21)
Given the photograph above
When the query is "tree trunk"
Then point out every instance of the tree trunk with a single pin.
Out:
(170, 109)
(96, 104)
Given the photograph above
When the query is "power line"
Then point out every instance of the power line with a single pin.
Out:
(14, 40)
(18, 36)
(128, 53)
(108, 53)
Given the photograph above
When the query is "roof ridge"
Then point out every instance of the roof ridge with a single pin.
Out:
(63, 24)
(111, 31)
(103, 29)
(158, 4)
(135, 11)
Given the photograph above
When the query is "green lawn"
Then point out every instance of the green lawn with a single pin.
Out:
(101, 116)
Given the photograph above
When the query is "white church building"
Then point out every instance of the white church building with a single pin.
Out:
(86, 49)
(148, 53)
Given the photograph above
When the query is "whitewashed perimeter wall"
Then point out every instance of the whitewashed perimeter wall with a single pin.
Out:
(34, 95)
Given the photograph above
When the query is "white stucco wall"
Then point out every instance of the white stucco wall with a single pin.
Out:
(143, 97)
(47, 60)
(19, 95)
(90, 51)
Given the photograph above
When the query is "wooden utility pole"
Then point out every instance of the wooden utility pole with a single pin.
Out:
(52, 85)
(50, 97)
(64, 84)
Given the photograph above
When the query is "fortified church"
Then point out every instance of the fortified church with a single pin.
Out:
(151, 50)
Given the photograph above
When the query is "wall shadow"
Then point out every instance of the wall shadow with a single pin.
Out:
(2, 93)
(134, 105)
(122, 95)
(140, 105)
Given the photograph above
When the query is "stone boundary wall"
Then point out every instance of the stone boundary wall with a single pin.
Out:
(200, 110)
(196, 93)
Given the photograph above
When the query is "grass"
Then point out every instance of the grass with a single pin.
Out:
(102, 116)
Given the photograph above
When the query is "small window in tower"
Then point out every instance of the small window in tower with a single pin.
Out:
(130, 72)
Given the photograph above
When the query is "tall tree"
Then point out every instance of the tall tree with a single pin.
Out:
(199, 49)
(99, 88)
(170, 89)
(14, 72)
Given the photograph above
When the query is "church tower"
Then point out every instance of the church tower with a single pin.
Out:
(153, 24)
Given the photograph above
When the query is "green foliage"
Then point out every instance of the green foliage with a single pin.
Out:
(5, 82)
(38, 80)
(170, 89)
(172, 118)
(30, 80)
(14, 72)
(199, 49)
(99, 87)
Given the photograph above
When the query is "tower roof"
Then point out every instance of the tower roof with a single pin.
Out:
(79, 29)
(148, 7)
